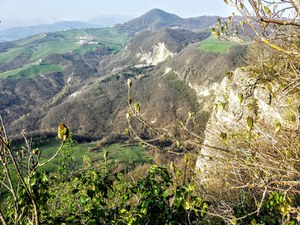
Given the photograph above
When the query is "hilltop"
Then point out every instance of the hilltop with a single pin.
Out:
(156, 19)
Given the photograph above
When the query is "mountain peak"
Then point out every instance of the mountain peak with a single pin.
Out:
(156, 19)
(152, 20)
(154, 13)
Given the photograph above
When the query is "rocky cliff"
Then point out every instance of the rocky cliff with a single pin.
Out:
(249, 116)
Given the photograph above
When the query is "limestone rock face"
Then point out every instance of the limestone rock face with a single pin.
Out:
(246, 109)
(158, 54)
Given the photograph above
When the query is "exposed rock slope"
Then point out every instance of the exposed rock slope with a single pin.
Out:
(246, 110)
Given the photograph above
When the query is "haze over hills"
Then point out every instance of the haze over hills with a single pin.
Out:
(109, 20)
(23, 32)
(154, 19)
(17, 32)
(79, 76)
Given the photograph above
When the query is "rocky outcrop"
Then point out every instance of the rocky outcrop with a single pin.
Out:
(152, 47)
(158, 54)
(246, 109)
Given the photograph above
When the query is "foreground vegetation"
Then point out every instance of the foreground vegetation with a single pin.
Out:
(106, 194)
(87, 193)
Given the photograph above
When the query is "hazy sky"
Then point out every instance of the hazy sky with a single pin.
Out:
(54, 10)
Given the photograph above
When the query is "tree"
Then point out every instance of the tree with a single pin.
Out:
(23, 187)
(275, 23)
(262, 159)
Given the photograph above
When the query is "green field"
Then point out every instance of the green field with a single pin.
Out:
(117, 154)
(31, 70)
(213, 44)
(39, 46)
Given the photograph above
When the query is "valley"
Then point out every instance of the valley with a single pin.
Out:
(79, 76)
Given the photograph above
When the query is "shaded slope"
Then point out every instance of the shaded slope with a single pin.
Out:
(100, 108)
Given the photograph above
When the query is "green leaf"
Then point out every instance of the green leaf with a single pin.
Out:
(191, 114)
(84, 200)
(213, 31)
(234, 221)
(166, 193)
(281, 198)
(33, 181)
(177, 202)
(44, 179)
(223, 137)
(268, 11)
(137, 107)
(241, 5)
(204, 209)
(249, 123)
(123, 211)
(253, 222)
(277, 128)
(26, 179)
(186, 205)
(240, 97)
(70, 218)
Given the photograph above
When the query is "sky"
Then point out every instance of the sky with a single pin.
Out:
(48, 11)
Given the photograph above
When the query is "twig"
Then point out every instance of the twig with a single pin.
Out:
(56, 153)
(2, 218)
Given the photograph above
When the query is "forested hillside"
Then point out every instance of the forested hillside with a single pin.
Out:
(79, 76)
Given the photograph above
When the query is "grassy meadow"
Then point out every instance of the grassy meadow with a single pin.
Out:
(80, 153)
(213, 44)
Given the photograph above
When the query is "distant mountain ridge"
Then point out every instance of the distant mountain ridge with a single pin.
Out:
(23, 32)
(109, 20)
(156, 19)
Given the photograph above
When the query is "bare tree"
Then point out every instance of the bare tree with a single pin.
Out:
(22, 184)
